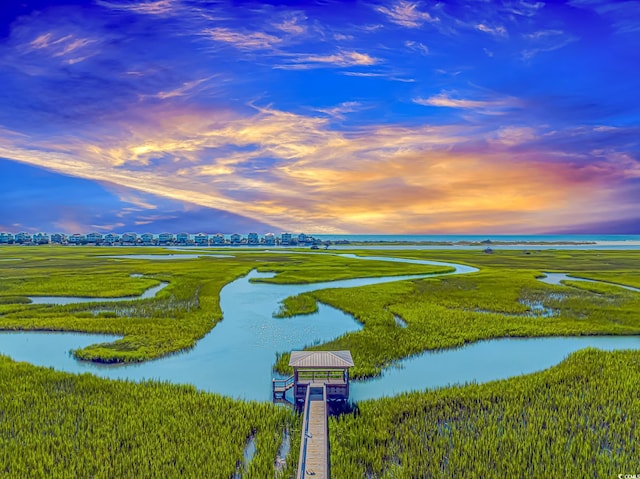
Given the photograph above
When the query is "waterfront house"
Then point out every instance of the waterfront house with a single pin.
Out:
(202, 239)
(23, 238)
(166, 238)
(58, 238)
(285, 239)
(147, 239)
(236, 238)
(77, 238)
(218, 239)
(270, 239)
(182, 238)
(129, 238)
(111, 238)
(95, 238)
(253, 239)
(6, 238)
(41, 238)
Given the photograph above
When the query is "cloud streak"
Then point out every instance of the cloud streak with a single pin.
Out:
(398, 117)
(429, 174)
(488, 107)
(406, 14)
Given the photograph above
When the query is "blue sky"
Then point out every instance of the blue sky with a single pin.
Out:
(343, 117)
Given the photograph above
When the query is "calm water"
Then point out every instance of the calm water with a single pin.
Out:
(509, 238)
(235, 359)
(557, 278)
(481, 362)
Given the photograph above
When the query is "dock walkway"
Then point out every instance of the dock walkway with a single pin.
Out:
(314, 446)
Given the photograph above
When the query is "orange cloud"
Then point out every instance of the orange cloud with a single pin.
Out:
(297, 171)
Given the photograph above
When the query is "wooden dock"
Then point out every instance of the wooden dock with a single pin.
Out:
(314, 446)
(318, 377)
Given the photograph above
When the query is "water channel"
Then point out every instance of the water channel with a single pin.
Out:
(236, 357)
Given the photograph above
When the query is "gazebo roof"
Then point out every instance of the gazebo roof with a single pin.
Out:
(321, 359)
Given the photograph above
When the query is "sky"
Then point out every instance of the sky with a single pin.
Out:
(386, 116)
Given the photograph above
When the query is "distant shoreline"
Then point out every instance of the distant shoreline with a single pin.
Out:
(462, 243)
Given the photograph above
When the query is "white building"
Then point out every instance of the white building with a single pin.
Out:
(285, 239)
(182, 238)
(6, 238)
(166, 238)
(270, 239)
(218, 239)
(111, 238)
(58, 238)
(202, 239)
(252, 239)
(23, 237)
(147, 239)
(77, 238)
(95, 238)
(303, 238)
(41, 238)
(129, 238)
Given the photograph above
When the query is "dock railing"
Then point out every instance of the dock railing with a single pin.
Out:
(283, 384)
(302, 460)
(304, 443)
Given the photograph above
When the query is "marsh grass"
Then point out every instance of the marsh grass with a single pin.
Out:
(59, 425)
(174, 320)
(496, 302)
(297, 305)
(578, 419)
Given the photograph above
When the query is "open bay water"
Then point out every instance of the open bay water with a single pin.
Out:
(458, 242)
(599, 239)
(236, 357)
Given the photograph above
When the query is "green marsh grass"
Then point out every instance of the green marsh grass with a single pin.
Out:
(296, 305)
(60, 425)
(451, 311)
(174, 320)
(578, 419)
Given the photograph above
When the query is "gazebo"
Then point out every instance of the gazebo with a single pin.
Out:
(316, 368)
(321, 367)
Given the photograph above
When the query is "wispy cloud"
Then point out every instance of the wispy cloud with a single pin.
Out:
(165, 105)
(157, 7)
(417, 47)
(542, 34)
(187, 88)
(293, 24)
(339, 59)
(407, 14)
(420, 171)
(242, 41)
(546, 41)
(340, 110)
(523, 8)
(485, 106)
(497, 31)
(384, 75)
(69, 48)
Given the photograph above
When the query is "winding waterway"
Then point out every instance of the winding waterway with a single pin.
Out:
(236, 357)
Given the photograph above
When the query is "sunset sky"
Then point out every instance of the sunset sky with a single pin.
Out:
(391, 116)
